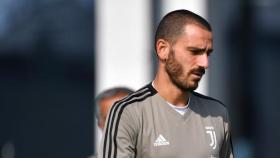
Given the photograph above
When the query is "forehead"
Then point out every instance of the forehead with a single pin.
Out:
(195, 35)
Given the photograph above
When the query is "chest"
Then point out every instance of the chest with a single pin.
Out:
(167, 135)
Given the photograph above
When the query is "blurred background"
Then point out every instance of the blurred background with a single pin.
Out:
(57, 55)
(46, 78)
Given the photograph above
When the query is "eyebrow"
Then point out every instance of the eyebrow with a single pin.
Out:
(200, 49)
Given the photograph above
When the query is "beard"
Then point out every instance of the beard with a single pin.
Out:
(175, 72)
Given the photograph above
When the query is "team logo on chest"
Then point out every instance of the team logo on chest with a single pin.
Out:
(161, 141)
(213, 140)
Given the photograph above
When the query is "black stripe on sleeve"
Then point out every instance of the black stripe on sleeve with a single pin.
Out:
(119, 116)
(111, 118)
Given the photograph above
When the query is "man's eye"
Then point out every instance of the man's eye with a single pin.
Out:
(196, 52)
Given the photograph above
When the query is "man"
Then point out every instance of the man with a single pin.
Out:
(106, 99)
(167, 119)
(104, 102)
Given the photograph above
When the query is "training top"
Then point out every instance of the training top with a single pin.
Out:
(143, 125)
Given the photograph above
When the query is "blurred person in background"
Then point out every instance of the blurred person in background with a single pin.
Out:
(104, 102)
(166, 118)
(106, 99)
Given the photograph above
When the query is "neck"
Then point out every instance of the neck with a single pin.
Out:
(169, 91)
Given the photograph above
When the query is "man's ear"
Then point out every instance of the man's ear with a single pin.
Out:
(162, 48)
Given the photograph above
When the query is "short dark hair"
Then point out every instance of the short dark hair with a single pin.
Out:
(172, 24)
(108, 94)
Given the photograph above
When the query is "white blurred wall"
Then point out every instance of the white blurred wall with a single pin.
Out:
(123, 45)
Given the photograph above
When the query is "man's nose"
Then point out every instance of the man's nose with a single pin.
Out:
(203, 61)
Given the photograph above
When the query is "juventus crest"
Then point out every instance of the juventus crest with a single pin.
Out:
(213, 140)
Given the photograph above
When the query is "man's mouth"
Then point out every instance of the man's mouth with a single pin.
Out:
(199, 72)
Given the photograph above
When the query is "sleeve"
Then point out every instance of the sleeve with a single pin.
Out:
(227, 147)
(120, 135)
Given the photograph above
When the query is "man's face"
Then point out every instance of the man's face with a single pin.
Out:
(188, 57)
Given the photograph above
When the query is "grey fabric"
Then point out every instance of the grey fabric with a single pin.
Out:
(143, 125)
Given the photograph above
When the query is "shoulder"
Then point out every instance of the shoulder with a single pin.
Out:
(208, 99)
(135, 100)
(127, 111)
(210, 104)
